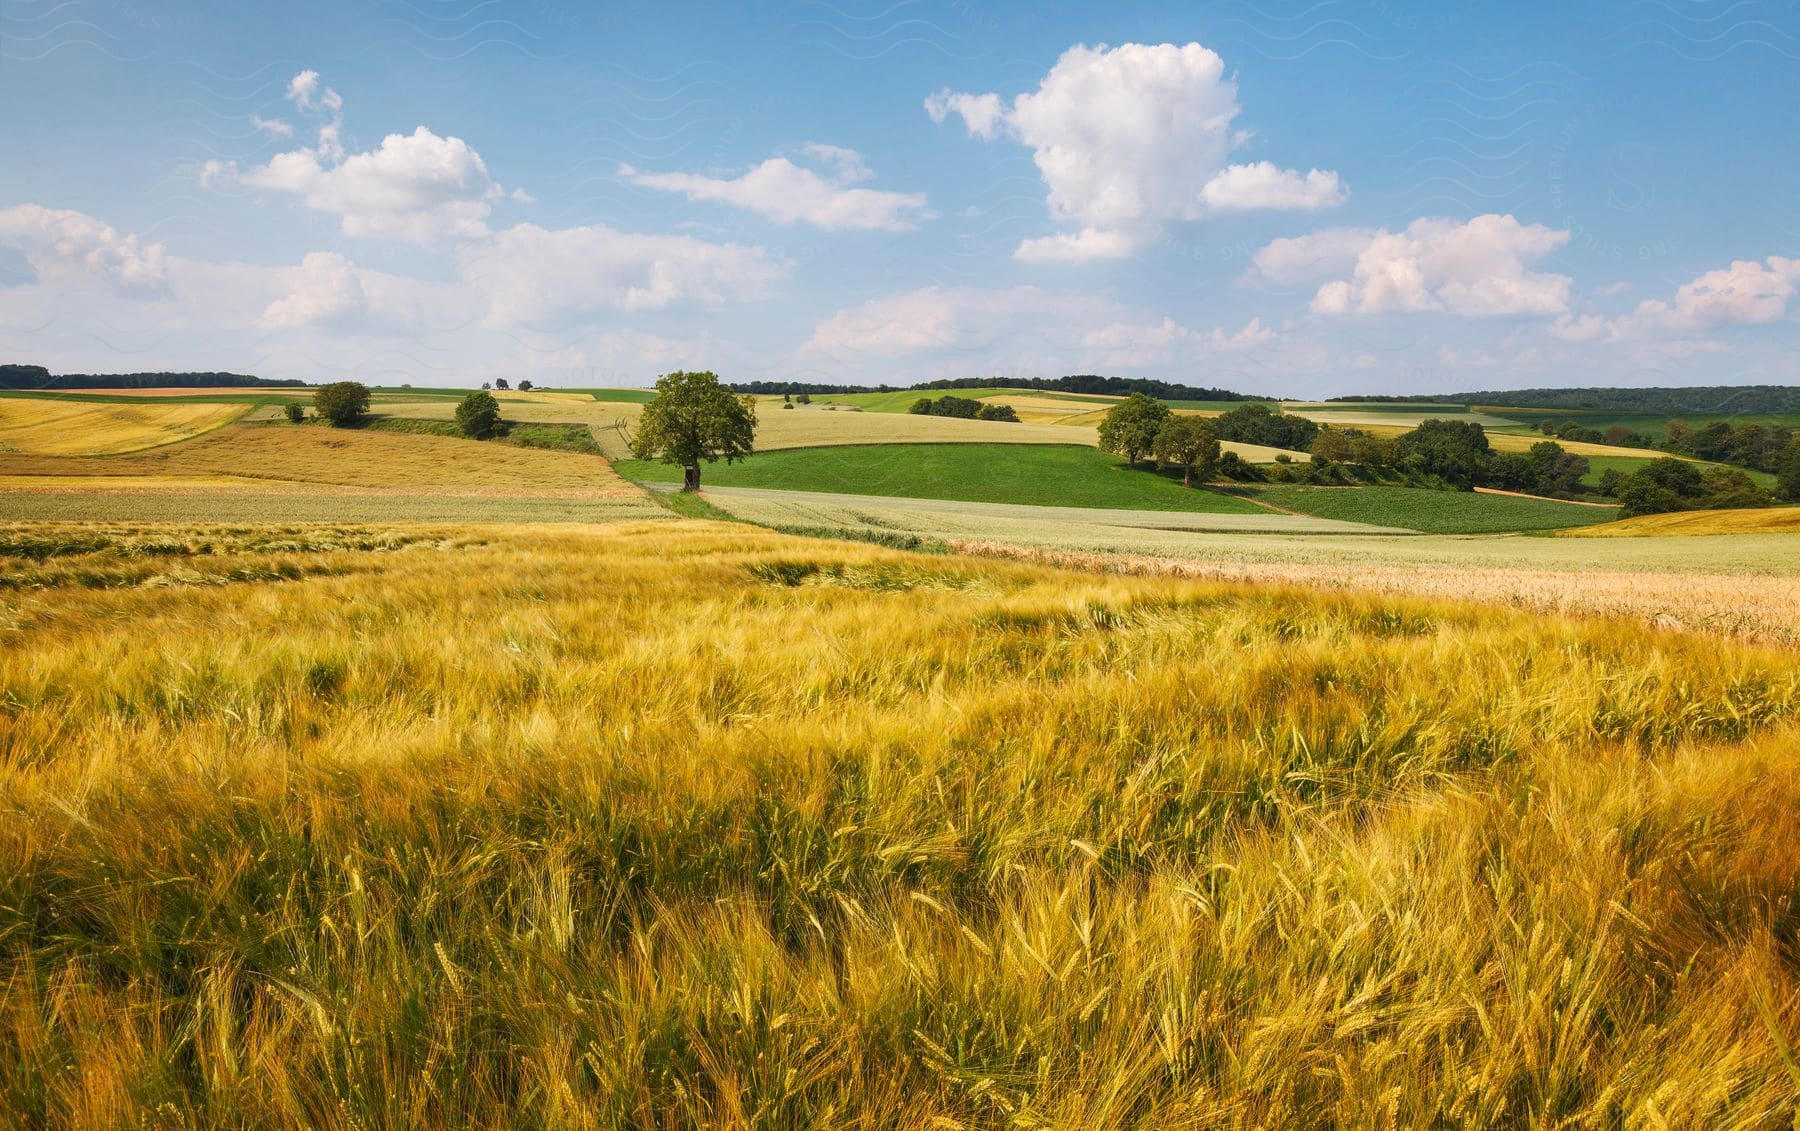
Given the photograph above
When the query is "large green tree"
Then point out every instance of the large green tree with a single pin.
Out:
(693, 418)
(1187, 442)
(342, 403)
(1130, 427)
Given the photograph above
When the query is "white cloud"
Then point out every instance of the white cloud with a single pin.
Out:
(1023, 326)
(1239, 188)
(982, 114)
(1130, 139)
(1477, 269)
(271, 125)
(1134, 345)
(1748, 292)
(305, 93)
(1745, 293)
(847, 165)
(1077, 247)
(1309, 258)
(534, 275)
(524, 300)
(69, 248)
(418, 188)
(330, 291)
(788, 193)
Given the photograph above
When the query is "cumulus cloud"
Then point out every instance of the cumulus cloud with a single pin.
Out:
(1130, 139)
(417, 188)
(1481, 268)
(69, 248)
(537, 276)
(1239, 188)
(789, 193)
(1745, 293)
(328, 290)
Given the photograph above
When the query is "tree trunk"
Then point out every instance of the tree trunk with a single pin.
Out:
(1187, 475)
(690, 478)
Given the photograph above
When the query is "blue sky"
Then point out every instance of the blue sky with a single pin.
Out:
(1313, 198)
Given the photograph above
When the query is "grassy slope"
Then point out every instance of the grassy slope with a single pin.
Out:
(1049, 475)
(684, 824)
(1434, 512)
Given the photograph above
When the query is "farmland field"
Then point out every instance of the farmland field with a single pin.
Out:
(1433, 512)
(375, 777)
(983, 841)
(1064, 475)
(83, 428)
(1689, 523)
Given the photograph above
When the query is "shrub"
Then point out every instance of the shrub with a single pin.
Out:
(478, 415)
(342, 403)
(1001, 412)
(295, 413)
(1259, 424)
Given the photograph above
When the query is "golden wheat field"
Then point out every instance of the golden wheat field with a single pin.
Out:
(693, 824)
(329, 457)
(1756, 520)
(45, 426)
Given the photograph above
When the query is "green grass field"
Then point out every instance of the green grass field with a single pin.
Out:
(1433, 512)
(1043, 475)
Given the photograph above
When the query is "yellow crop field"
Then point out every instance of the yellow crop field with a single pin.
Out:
(86, 428)
(1761, 520)
(693, 824)
(1037, 408)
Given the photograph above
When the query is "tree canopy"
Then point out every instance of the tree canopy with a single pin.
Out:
(1188, 442)
(1260, 424)
(478, 415)
(1129, 427)
(693, 418)
(342, 403)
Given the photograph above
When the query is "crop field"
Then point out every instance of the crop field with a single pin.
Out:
(903, 399)
(45, 426)
(945, 520)
(309, 473)
(1433, 512)
(1690, 523)
(1063, 475)
(411, 826)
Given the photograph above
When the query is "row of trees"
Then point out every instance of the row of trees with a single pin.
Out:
(963, 408)
(1668, 484)
(1763, 447)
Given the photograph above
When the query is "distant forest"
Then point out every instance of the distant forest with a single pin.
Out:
(37, 377)
(1077, 383)
(1699, 400)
